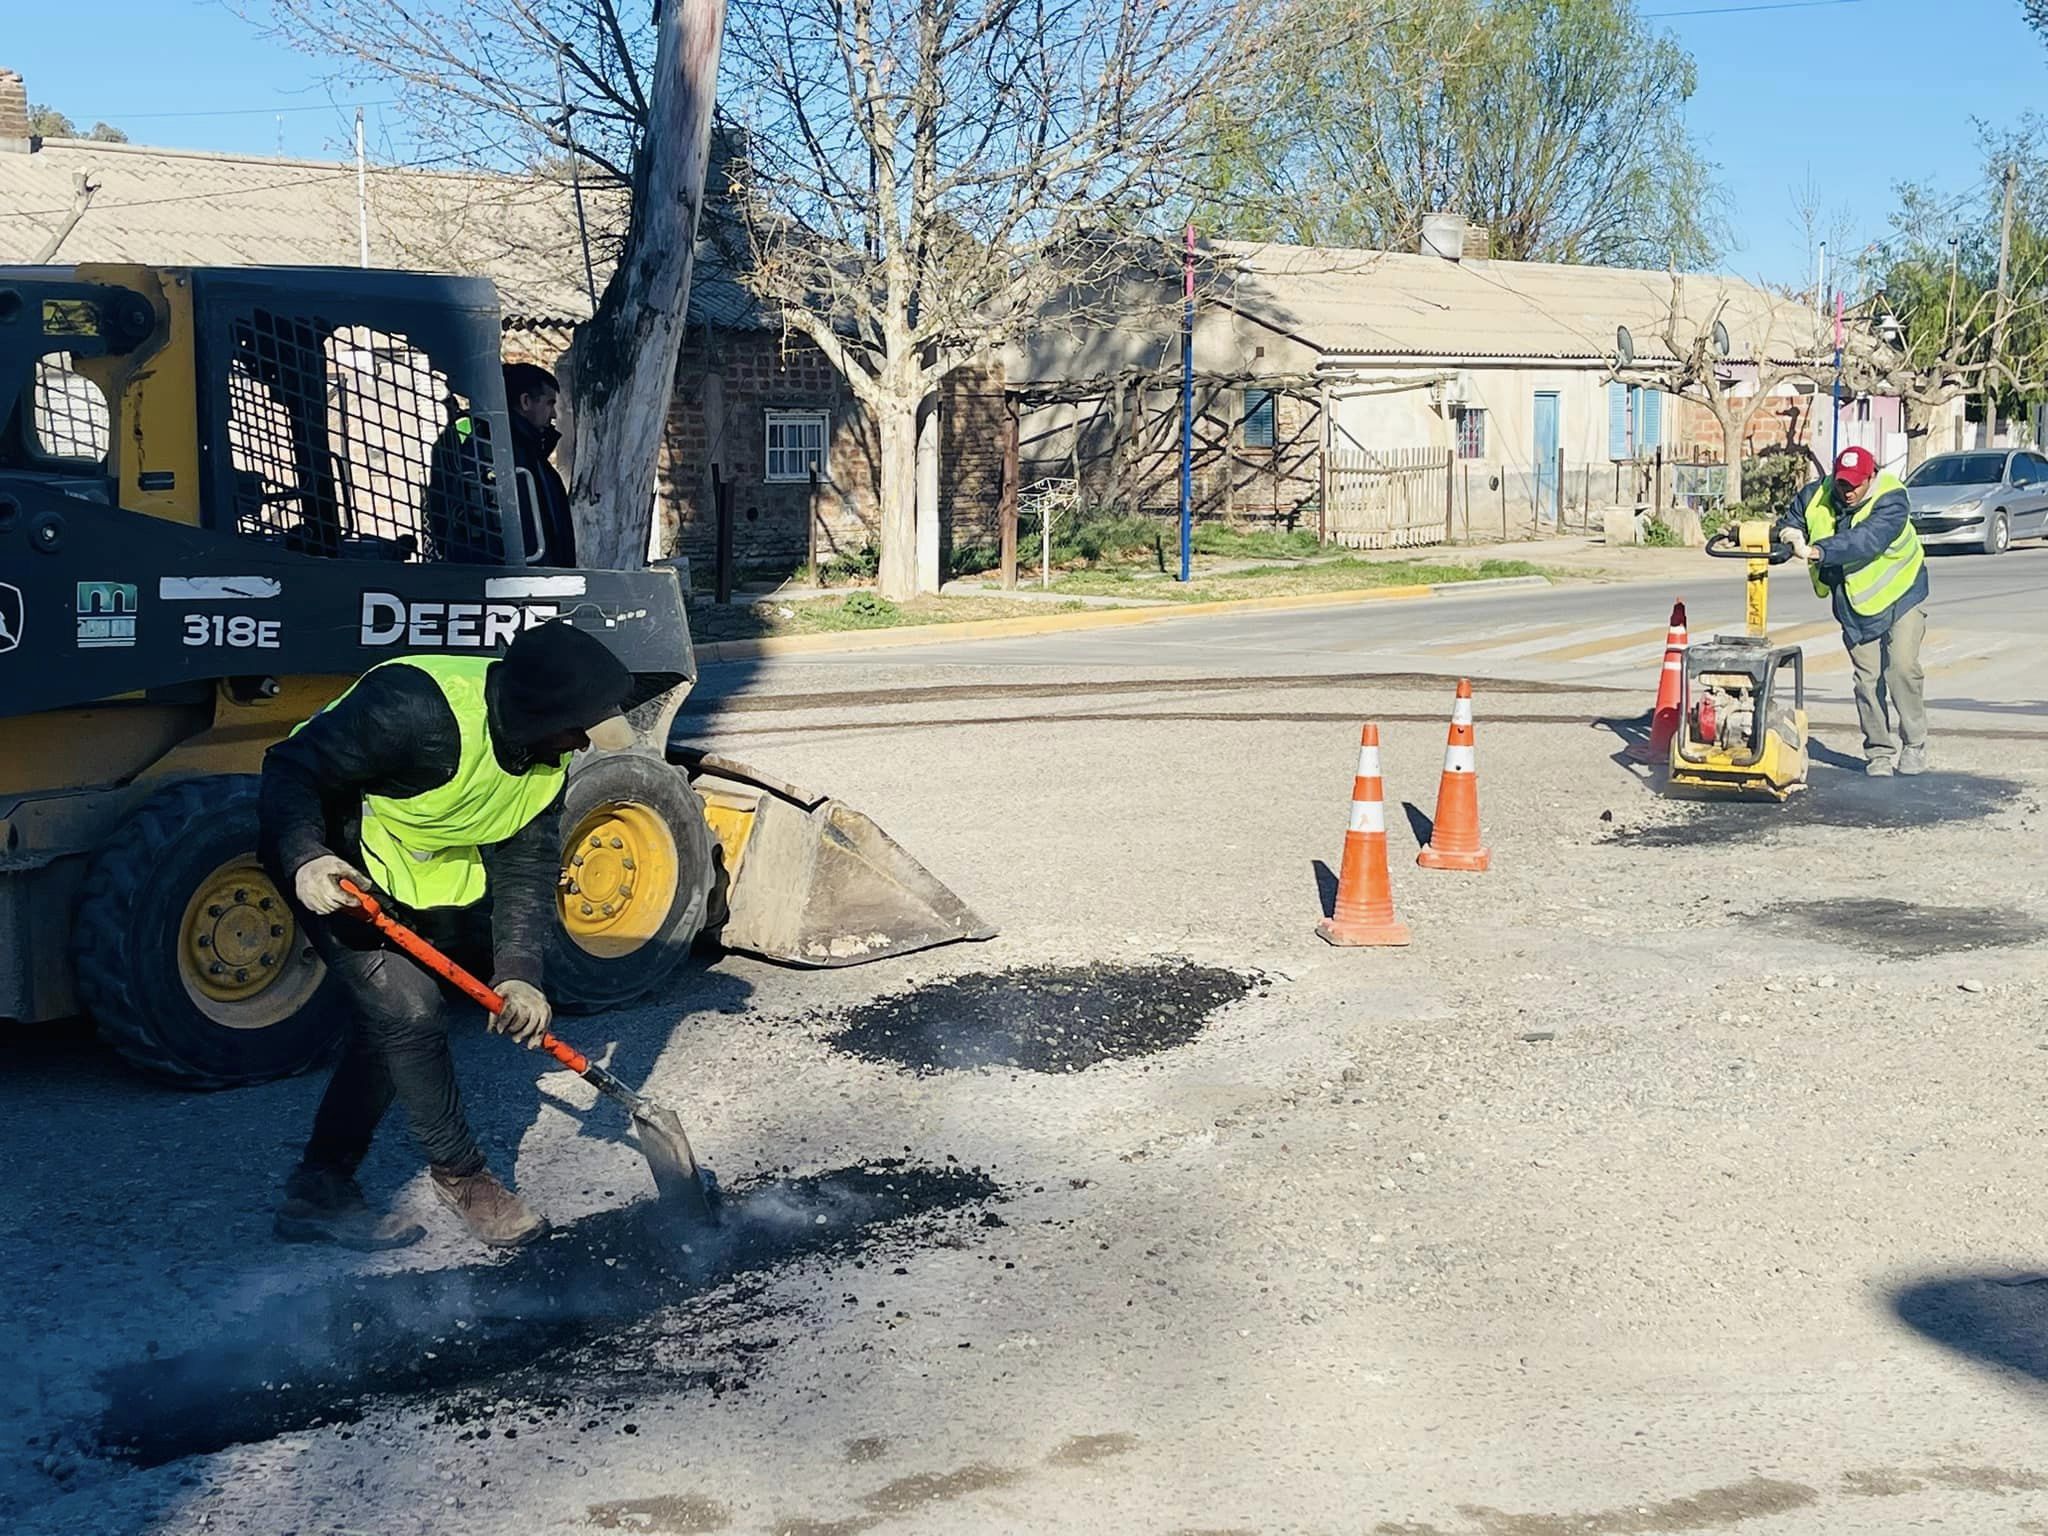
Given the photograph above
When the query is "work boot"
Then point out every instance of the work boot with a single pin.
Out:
(1913, 760)
(323, 1205)
(488, 1208)
(1879, 768)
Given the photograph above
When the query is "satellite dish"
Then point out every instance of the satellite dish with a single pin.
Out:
(1624, 346)
(1722, 344)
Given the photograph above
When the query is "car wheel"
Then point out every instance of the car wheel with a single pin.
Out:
(1998, 537)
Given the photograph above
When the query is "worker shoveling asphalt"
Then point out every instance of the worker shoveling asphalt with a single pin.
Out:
(443, 777)
(663, 1142)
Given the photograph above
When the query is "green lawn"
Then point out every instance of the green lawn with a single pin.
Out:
(858, 610)
(1341, 575)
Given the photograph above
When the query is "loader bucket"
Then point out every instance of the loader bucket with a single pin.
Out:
(809, 881)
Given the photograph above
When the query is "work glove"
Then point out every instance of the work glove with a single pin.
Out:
(318, 884)
(1792, 536)
(526, 1014)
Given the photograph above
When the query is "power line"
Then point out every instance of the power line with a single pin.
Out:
(329, 106)
(1741, 10)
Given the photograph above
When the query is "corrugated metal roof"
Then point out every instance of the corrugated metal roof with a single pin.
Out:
(174, 207)
(1385, 303)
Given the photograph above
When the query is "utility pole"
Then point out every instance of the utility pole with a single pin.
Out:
(362, 199)
(2012, 177)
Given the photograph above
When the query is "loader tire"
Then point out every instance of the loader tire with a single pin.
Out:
(176, 894)
(636, 881)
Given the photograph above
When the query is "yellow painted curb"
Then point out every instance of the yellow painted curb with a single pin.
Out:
(714, 651)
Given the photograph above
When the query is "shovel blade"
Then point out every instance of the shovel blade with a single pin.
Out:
(667, 1150)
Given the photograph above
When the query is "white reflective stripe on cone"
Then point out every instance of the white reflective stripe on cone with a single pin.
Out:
(1368, 762)
(1460, 760)
(1461, 712)
(1368, 816)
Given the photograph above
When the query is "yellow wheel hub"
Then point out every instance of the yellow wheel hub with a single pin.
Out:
(619, 877)
(237, 936)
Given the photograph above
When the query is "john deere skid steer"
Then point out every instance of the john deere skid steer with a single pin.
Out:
(223, 496)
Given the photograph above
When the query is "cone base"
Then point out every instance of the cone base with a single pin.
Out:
(1362, 934)
(1475, 862)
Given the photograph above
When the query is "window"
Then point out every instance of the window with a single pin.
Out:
(1471, 424)
(1635, 421)
(70, 414)
(1258, 418)
(796, 444)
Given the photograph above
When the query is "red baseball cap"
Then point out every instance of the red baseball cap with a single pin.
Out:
(1855, 466)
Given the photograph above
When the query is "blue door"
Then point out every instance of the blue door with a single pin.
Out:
(1546, 485)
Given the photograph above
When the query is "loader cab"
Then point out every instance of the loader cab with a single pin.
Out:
(349, 414)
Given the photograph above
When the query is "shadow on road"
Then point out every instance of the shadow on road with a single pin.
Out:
(1996, 1320)
(1326, 887)
(1420, 823)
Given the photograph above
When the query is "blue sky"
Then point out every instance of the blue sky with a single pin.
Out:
(1906, 75)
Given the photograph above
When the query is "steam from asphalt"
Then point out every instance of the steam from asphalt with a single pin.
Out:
(545, 1312)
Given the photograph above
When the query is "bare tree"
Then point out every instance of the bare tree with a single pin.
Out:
(1777, 347)
(921, 181)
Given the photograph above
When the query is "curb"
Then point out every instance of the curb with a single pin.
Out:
(715, 652)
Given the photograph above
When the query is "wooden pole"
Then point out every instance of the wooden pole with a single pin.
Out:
(1558, 501)
(811, 526)
(1006, 512)
(721, 499)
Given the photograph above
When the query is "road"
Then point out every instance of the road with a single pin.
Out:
(1683, 1176)
(1988, 630)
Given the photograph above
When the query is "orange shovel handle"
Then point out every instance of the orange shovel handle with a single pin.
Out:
(452, 973)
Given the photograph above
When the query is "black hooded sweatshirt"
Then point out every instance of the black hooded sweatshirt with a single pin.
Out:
(394, 734)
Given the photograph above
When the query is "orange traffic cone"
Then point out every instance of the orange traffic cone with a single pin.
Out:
(1670, 694)
(1454, 839)
(1365, 896)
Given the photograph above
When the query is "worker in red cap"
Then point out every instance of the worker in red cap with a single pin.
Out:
(1855, 531)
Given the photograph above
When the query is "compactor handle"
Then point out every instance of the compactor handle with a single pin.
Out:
(1727, 545)
(432, 958)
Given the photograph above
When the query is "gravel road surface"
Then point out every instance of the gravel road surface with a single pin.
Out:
(1684, 1175)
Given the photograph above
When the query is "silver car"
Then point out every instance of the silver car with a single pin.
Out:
(1981, 500)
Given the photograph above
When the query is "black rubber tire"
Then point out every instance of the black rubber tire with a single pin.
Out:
(1998, 537)
(125, 941)
(581, 982)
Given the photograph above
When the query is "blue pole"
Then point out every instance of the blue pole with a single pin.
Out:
(1187, 413)
(1835, 447)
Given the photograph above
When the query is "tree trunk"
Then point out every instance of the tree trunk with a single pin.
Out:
(625, 355)
(1734, 427)
(1917, 428)
(897, 425)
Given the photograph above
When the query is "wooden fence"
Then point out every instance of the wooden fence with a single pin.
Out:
(1388, 500)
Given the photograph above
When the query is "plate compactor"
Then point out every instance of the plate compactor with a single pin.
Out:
(1739, 735)
(225, 494)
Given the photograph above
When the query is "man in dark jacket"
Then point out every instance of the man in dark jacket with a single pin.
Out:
(441, 776)
(532, 395)
(1855, 531)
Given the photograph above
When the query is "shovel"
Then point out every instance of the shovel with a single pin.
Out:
(660, 1131)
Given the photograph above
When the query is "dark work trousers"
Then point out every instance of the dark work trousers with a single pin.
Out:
(397, 1044)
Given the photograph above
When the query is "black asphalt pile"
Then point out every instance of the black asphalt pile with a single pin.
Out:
(1837, 797)
(546, 1312)
(1902, 930)
(1041, 1019)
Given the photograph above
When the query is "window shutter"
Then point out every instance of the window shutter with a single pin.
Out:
(1617, 421)
(1652, 423)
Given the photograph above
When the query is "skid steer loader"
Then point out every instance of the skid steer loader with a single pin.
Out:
(224, 494)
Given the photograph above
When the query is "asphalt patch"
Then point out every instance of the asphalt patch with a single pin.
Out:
(599, 1301)
(1041, 1018)
(1901, 929)
(1835, 798)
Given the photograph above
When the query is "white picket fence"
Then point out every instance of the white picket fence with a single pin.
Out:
(1392, 500)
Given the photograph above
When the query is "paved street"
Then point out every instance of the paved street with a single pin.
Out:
(1683, 1176)
(1984, 655)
